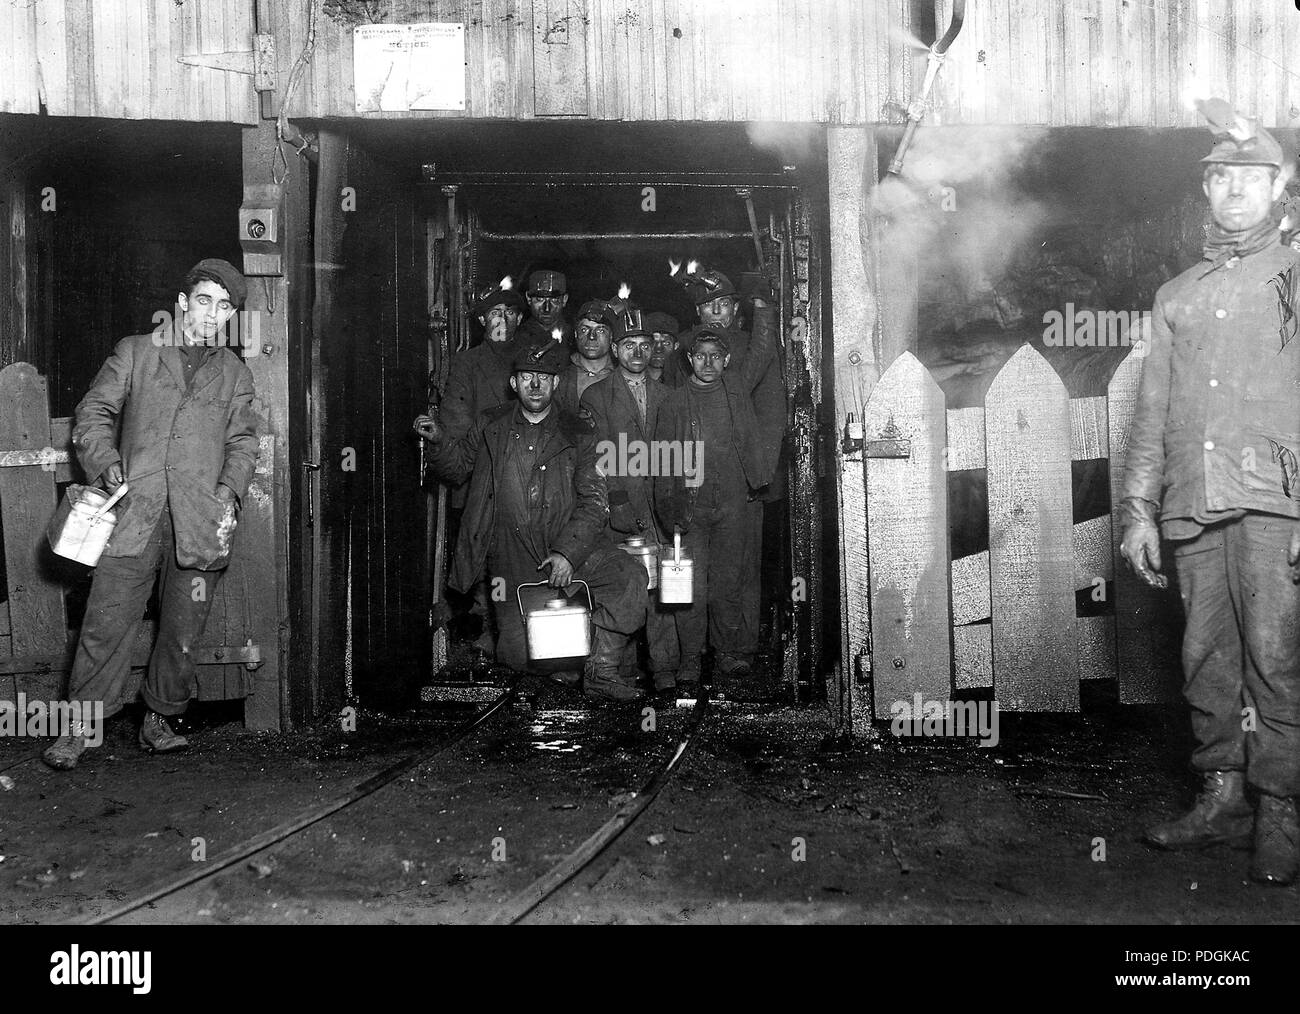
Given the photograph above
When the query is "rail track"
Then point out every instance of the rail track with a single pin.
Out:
(516, 908)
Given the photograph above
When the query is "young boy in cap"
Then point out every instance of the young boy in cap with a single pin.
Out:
(664, 347)
(538, 503)
(624, 408)
(716, 512)
(170, 414)
(1212, 466)
(592, 361)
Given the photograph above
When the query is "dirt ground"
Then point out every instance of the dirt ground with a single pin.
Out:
(767, 820)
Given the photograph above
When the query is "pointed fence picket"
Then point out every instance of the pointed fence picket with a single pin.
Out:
(1004, 618)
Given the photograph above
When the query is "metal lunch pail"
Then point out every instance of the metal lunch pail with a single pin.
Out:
(676, 576)
(557, 629)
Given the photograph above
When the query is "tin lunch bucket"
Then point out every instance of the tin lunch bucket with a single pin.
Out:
(557, 630)
(83, 524)
(645, 553)
(676, 576)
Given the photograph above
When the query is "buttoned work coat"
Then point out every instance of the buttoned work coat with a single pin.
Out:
(175, 445)
(612, 409)
(574, 504)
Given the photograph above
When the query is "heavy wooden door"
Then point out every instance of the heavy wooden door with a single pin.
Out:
(372, 631)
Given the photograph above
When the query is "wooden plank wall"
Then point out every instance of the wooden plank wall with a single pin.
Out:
(787, 60)
(1118, 63)
(1083, 63)
(118, 58)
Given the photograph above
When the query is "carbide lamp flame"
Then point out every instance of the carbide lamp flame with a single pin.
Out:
(673, 267)
(507, 283)
(557, 334)
(692, 267)
(624, 290)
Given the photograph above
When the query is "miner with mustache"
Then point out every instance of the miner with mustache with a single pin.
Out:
(1212, 467)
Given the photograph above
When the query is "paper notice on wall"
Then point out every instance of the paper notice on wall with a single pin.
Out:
(402, 67)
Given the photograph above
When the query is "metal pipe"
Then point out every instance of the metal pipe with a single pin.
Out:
(934, 60)
(747, 195)
(541, 237)
(610, 179)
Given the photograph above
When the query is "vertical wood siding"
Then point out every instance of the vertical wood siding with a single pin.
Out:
(1077, 62)
(118, 58)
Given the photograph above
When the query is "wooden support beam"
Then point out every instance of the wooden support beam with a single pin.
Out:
(851, 159)
(267, 528)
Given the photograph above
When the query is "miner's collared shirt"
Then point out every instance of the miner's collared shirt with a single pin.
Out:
(1217, 426)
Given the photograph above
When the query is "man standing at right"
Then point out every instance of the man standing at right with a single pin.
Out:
(1214, 452)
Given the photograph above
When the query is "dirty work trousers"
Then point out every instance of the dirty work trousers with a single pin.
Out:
(617, 584)
(660, 633)
(724, 545)
(1241, 650)
(118, 596)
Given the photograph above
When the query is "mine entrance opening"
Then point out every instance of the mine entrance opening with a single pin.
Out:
(615, 205)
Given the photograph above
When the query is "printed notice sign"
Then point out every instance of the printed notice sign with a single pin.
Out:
(402, 67)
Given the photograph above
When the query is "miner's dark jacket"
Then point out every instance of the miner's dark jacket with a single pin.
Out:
(613, 410)
(674, 499)
(479, 380)
(574, 497)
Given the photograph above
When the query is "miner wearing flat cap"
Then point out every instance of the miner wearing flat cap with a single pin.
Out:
(170, 414)
(1213, 466)
(537, 508)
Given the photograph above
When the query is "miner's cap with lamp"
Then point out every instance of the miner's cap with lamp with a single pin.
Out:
(230, 278)
(707, 285)
(547, 357)
(501, 294)
(547, 283)
(1239, 140)
(633, 323)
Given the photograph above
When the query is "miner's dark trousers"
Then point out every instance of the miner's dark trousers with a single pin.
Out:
(724, 545)
(114, 612)
(618, 593)
(1241, 650)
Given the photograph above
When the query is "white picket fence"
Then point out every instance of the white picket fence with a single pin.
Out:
(1004, 618)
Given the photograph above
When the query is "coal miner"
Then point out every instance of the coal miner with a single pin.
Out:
(664, 344)
(170, 414)
(548, 294)
(592, 361)
(716, 510)
(479, 380)
(1212, 466)
(624, 407)
(537, 503)
(717, 302)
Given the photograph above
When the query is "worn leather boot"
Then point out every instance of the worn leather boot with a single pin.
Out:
(1221, 815)
(64, 753)
(157, 735)
(603, 677)
(1277, 841)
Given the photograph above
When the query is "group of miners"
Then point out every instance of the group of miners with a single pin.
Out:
(523, 436)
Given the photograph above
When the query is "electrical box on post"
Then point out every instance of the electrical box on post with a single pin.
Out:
(261, 229)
